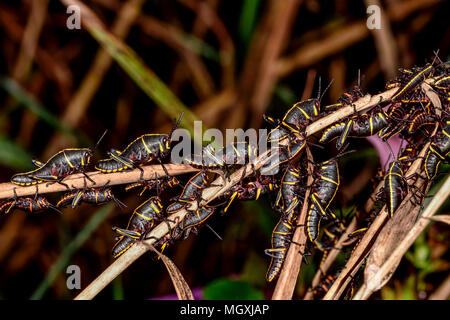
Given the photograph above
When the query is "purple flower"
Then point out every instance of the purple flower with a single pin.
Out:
(384, 153)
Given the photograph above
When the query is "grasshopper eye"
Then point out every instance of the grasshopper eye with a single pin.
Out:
(87, 156)
(166, 142)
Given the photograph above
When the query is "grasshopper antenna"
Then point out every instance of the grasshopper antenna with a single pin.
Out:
(176, 124)
(101, 138)
(359, 78)
(213, 231)
(390, 149)
(326, 89)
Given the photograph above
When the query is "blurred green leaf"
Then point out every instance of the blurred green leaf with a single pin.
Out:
(247, 20)
(64, 258)
(369, 155)
(254, 270)
(14, 156)
(286, 95)
(117, 288)
(408, 290)
(200, 47)
(228, 289)
(420, 255)
(387, 293)
(308, 271)
(439, 181)
(267, 218)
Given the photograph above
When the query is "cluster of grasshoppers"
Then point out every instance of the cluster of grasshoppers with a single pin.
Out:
(412, 116)
(409, 113)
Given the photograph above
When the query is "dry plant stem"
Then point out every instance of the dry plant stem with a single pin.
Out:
(285, 287)
(442, 292)
(53, 68)
(211, 19)
(442, 218)
(181, 287)
(76, 181)
(391, 236)
(211, 193)
(385, 42)
(369, 238)
(161, 230)
(30, 40)
(338, 40)
(332, 255)
(367, 241)
(394, 232)
(174, 38)
(387, 269)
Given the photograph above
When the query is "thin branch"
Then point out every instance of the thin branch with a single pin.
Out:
(76, 181)
(294, 257)
(442, 292)
(331, 257)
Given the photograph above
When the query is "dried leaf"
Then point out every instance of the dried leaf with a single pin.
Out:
(181, 287)
(441, 218)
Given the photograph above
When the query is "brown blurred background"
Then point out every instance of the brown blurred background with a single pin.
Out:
(228, 62)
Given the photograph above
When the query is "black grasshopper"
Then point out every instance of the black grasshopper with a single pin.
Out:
(331, 234)
(416, 77)
(142, 150)
(419, 119)
(27, 204)
(313, 219)
(238, 153)
(62, 164)
(159, 184)
(363, 125)
(323, 191)
(442, 87)
(283, 154)
(290, 193)
(322, 288)
(191, 221)
(281, 239)
(437, 152)
(347, 98)
(90, 195)
(140, 223)
(295, 120)
(406, 117)
(395, 186)
(442, 83)
(396, 113)
(191, 192)
(250, 190)
(325, 186)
